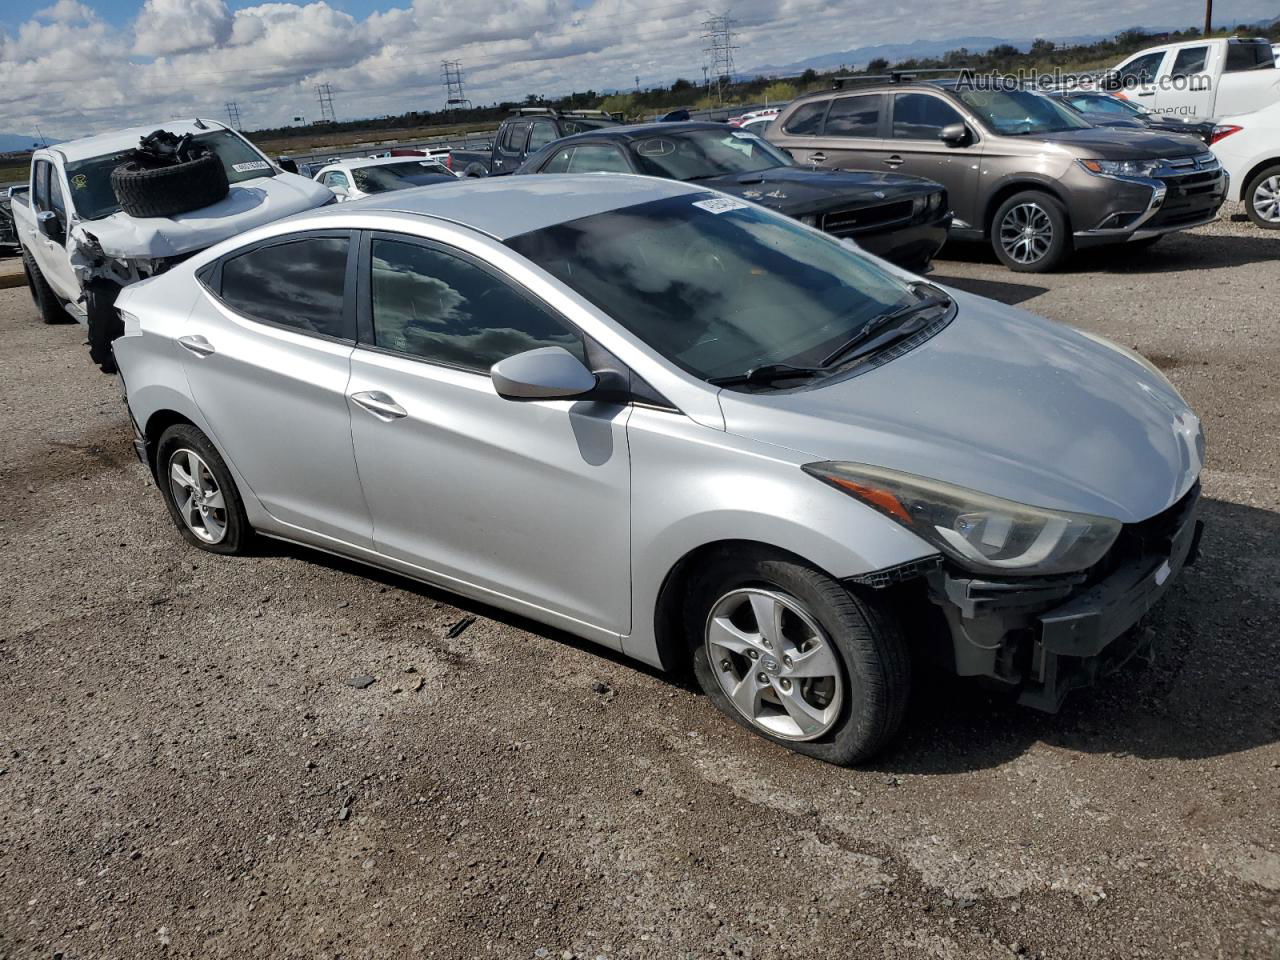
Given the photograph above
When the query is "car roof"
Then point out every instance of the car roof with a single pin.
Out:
(505, 207)
(117, 141)
(355, 163)
(637, 131)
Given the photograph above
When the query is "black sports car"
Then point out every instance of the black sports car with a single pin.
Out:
(903, 219)
(1105, 110)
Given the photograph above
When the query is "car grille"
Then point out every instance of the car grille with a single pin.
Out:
(848, 223)
(1151, 537)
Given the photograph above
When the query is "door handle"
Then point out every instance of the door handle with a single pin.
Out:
(893, 161)
(379, 404)
(818, 157)
(1146, 93)
(197, 344)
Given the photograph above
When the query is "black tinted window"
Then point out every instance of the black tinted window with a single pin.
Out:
(854, 117)
(540, 134)
(297, 284)
(1247, 55)
(807, 120)
(918, 116)
(1189, 60)
(434, 305)
(1144, 69)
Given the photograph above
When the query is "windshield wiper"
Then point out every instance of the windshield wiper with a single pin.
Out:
(878, 325)
(768, 373)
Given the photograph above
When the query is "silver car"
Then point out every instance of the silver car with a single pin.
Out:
(682, 426)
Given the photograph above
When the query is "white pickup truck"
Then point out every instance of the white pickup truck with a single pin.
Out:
(1226, 76)
(80, 247)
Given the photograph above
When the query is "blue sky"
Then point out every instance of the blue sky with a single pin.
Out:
(81, 66)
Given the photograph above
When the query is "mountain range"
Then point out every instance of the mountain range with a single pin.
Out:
(15, 142)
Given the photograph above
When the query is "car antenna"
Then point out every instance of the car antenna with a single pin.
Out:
(200, 124)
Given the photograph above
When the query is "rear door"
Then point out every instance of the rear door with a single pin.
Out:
(268, 356)
(49, 246)
(529, 500)
(854, 134)
(1188, 90)
(916, 127)
(509, 151)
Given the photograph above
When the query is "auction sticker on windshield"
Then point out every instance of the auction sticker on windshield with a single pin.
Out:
(720, 204)
(250, 165)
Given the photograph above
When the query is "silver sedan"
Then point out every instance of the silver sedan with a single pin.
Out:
(679, 425)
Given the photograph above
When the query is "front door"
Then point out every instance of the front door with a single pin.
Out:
(527, 500)
(49, 246)
(267, 351)
(915, 128)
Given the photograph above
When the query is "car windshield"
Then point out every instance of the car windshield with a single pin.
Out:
(716, 285)
(90, 180)
(398, 176)
(700, 154)
(1101, 103)
(1020, 112)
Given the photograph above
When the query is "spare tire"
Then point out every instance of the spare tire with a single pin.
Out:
(151, 191)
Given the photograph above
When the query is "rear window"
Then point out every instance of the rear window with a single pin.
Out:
(806, 121)
(298, 284)
(854, 117)
(1249, 55)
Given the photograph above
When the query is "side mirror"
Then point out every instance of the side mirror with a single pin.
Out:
(547, 373)
(287, 164)
(954, 135)
(49, 224)
(341, 193)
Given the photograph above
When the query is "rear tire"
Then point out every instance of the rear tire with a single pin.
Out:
(1030, 233)
(42, 295)
(846, 704)
(1262, 198)
(104, 323)
(213, 519)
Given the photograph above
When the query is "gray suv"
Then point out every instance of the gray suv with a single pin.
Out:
(1029, 174)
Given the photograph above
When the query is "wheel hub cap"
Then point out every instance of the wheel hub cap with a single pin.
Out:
(197, 495)
(1266, 200)
(1026, 233)
(775, 663)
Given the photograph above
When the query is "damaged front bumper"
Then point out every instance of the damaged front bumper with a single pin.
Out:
(1049, 636)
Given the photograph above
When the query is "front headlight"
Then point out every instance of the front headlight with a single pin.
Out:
(918, 205)
(809, 221)
(1122, 168)
(983, 533)
(935, 200)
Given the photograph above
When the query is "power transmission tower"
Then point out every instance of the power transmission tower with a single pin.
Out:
(325, 95)
(233, 114)
(719, 49)
(451, 77)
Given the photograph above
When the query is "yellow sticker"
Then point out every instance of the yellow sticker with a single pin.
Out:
(79, 181)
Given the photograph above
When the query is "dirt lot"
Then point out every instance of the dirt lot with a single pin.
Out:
(184, 770)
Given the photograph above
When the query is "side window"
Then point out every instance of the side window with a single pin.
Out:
(918, 116)
(434, 305)
(514, 139)
(41, 199)
(1248, 55)
(807, 119)
(298, 284)
(540, 134)
(597, 158)
(56, 201)
(854, 117)
(1143, 70)
(1189, 60)
(336, 178)
(559, 162)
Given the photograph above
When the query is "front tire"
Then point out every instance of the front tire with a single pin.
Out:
(796, 658)
(1262, 198)
(42, 295)
(200, 493)
(1029, 232)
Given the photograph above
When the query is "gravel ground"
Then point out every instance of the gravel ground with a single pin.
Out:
(185, 771)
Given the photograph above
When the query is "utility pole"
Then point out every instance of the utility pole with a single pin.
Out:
(324, 93)
(719, 49)
(637, 83)
(451, 78)
(1208, 17)
(233, 114)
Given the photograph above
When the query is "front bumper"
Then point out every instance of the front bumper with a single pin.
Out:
(912, 246)
(1139, 208)
(1048, 636)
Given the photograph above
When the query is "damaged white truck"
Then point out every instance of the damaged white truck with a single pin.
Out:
(110, 210)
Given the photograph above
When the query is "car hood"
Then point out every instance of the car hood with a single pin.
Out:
(1002, 402)
(247, 204)
(800, 190)
(1123, 143)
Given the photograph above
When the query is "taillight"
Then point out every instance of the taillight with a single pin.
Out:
(1223, 130)
(448, 160)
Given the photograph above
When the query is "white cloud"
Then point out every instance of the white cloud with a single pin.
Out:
(72, 73)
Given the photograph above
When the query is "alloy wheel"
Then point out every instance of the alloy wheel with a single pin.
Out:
(775, 663)
(1266, 199)
(197, 495)
(1026, 233)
